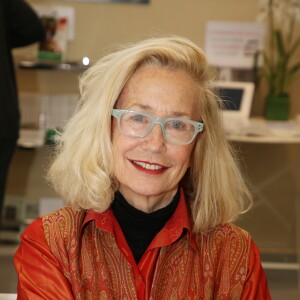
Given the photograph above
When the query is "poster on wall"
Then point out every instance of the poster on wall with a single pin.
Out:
(233, 44)
(58, 22)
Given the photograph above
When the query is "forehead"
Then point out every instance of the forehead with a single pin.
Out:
(160, 90)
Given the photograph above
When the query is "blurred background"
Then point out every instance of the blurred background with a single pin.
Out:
(48, 90)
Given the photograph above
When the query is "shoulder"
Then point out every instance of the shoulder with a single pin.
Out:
(63, 223)
(66, 214)
(226, 240)
(229, 231)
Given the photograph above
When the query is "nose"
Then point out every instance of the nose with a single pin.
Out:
(155, 141)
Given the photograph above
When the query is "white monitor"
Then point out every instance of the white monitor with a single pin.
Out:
(237, 98)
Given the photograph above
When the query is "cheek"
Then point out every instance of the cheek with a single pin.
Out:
(118, 154)
(190, 157)
(117, 138)
(114, 128)
(183, 157)
(122, 144)
(117, 145)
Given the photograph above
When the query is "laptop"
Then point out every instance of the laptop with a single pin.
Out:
(237, 98)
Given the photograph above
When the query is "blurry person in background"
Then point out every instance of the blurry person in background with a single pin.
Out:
(152, 189)
(19, 26)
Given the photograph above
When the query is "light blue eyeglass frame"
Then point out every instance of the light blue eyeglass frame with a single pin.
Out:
(117, 113)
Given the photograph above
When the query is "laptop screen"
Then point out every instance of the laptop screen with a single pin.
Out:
(231, 97)
(236, 97)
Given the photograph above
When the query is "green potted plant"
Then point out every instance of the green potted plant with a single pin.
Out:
(279, 66)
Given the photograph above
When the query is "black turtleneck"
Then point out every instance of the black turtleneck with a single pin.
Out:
(140, 228)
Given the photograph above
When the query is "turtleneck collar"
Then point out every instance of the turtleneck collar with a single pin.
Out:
(140, 228)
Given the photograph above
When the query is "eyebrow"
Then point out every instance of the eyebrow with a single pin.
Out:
(148, 108)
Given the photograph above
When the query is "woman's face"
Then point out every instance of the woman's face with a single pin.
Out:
(149, 169)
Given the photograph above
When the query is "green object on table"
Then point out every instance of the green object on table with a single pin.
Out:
(49, 56)
(278, 107)
(52, 136)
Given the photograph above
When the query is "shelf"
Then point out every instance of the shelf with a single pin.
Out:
(31, 138)
(258, 130)
(55, 66)
(260, 139)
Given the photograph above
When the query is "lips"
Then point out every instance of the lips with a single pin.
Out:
(148, 167)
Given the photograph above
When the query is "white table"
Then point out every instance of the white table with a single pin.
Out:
(8, 296)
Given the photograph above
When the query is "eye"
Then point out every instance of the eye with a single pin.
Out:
(177, 125)
(139, 118)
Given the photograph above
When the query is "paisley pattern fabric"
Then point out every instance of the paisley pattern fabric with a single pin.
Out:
(93, 263)
(90, 260)
(217, 271)
(83, 255)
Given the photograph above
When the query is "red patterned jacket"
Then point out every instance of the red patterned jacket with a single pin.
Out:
(84, 255)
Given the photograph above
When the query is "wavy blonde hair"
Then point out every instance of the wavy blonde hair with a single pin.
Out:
(82, 172)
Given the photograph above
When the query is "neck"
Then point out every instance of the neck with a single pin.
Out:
(148, 203)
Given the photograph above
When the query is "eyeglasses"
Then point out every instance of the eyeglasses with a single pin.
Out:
(176, 131)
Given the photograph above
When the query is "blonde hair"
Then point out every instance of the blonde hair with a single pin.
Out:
(82, 172)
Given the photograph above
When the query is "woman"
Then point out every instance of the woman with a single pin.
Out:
(151, 188)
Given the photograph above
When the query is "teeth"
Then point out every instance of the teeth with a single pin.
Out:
(148, 166)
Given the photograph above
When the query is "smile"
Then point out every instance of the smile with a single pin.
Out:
(147, 166)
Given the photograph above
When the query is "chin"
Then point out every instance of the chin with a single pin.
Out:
(151, 190)
(148, 191)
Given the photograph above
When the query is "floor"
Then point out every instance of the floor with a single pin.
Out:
(283, 285)
(8, 277)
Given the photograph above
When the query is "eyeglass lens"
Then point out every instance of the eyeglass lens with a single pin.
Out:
(176, 130)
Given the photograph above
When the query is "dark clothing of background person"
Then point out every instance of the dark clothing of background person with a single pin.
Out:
(19, 26)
